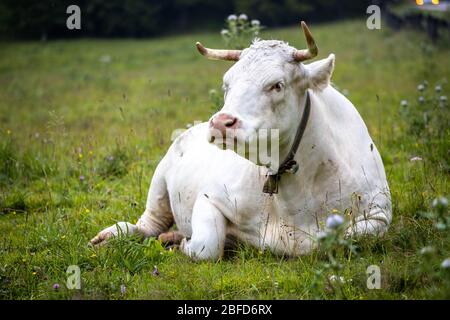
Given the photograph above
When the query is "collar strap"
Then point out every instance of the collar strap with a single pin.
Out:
(289, 164)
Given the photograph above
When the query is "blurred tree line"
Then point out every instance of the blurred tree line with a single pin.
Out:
(31, 19)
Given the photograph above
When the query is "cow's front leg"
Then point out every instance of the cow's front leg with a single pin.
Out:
(157, 217)
(120, 228)
(208, 231)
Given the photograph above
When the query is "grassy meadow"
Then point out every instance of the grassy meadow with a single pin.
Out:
(84, 123)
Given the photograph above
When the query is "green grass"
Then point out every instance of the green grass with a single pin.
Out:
(64, 113)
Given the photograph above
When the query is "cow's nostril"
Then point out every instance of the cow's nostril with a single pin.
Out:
(231, 122)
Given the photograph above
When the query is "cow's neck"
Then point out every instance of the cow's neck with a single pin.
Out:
(288, 163)
(313, 150)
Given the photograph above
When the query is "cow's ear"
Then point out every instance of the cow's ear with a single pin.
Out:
(319, 73)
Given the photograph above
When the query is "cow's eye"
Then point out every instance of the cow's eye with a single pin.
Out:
(277, 86)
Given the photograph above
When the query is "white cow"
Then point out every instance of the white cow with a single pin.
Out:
(213, 194)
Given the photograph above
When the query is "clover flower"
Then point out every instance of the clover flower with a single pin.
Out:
(224, 32)
(440, 202)
(255, 23)
(155, 271)
(420, 87)
(56, 286)
(426, 250)
(243, 17)
(232, 17)
(421, 99)
(446, 264)
(438, 88)
(404, 103)
(334, 221)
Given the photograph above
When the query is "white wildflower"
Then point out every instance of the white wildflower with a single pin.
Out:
(105, 58)
(426, 250)
(255, 23)
(334, 221)
(446, 264)
(440, 202)
(232, 17)
(243, 17)
(334, 278)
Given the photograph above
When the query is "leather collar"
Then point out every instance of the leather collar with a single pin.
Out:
(289, 164)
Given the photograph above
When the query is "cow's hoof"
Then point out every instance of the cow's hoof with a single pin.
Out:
(118, 229)
(101, 238)
(171, 238)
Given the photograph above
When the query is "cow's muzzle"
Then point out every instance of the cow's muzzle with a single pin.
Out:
(221, 125)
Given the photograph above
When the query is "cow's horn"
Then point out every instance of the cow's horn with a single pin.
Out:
(215, 54)
(311, 52)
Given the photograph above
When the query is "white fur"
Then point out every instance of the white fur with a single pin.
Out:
(211, 193)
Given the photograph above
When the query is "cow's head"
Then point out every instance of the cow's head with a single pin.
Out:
(265, 89)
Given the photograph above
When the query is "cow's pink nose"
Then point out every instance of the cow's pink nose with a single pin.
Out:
(222, 122)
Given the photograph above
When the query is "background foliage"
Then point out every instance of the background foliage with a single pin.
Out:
(46, 19)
